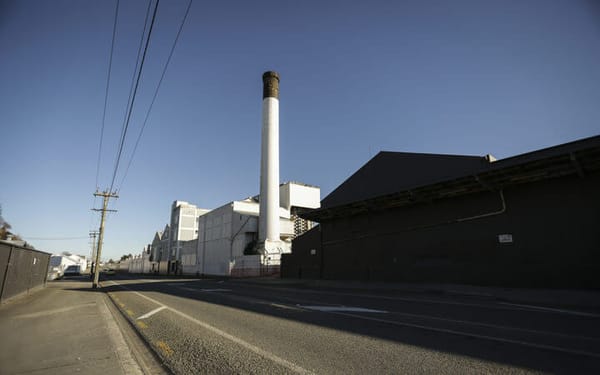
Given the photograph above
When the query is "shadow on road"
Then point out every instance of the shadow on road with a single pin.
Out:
(406, 331)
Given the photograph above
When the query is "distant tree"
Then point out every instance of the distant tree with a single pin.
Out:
(111, 260)
(125, 257)
(5, 231)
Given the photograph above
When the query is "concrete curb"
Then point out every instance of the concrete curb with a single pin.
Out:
(155, 352)
(126, 360)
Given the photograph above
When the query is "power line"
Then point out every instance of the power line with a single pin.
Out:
(122, 143)
(135, 69)
(112, 47)
(156, 92)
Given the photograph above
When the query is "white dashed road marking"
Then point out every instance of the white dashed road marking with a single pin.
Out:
(147, 315)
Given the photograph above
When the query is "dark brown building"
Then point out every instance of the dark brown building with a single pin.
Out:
(528, 220)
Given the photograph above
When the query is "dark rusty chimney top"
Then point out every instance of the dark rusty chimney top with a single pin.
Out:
(270, 85)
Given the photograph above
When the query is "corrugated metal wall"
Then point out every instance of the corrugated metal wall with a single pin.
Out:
(553, 224)
(21, 270)
(305, 259)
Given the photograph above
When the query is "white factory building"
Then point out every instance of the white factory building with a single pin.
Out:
(241, 238)
(223, 241)
(184, 228)
(227, 236)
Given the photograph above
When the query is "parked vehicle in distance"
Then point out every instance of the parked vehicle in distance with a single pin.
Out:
(73, 271)
(110, 272)
(54, 273)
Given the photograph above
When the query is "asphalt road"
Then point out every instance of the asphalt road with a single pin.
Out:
(210, 326)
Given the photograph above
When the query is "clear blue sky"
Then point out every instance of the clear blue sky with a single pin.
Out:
(460, 77)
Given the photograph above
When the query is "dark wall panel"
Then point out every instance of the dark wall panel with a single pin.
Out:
(304, 263)
(555, 226)
(4, 257)
(24, 270)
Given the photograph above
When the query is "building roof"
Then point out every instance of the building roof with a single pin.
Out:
(389, 172)
(399, 179)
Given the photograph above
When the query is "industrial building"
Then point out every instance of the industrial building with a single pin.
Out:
(240, 238)
(228, 236)
(529, 220)
(225, 240)
(184, 227)
(159, 251)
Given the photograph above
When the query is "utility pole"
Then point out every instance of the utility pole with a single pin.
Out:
(106, 195)
(93, 234)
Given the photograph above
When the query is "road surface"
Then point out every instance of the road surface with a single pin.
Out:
(211, 326)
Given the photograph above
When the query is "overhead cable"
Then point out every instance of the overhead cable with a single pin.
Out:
(122, 142)
(156, 92)
(135, 69)
(112, 47)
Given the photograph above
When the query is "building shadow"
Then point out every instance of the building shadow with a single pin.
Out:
(442, 338)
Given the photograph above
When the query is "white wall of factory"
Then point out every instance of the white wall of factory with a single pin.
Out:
(184, 225)
(140, 263)
(204, 242)
(226, 232)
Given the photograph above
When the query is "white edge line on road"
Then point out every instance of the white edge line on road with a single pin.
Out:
(475, 335)
(149, 314)
(245, 344)
(572, 312)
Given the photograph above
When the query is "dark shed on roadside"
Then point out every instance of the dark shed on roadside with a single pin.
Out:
(528, 220)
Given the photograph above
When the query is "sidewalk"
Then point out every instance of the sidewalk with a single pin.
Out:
(572, 298)
(64, 328)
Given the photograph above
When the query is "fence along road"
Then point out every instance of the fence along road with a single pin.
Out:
(21, 270)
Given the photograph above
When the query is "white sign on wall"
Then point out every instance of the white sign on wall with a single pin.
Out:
(505, 238)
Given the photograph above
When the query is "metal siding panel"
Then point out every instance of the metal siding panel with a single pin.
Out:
(5, 251)
(21, 272)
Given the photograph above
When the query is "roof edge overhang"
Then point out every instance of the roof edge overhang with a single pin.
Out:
(576, 162)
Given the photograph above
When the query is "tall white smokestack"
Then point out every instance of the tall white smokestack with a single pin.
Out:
(268, 224)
